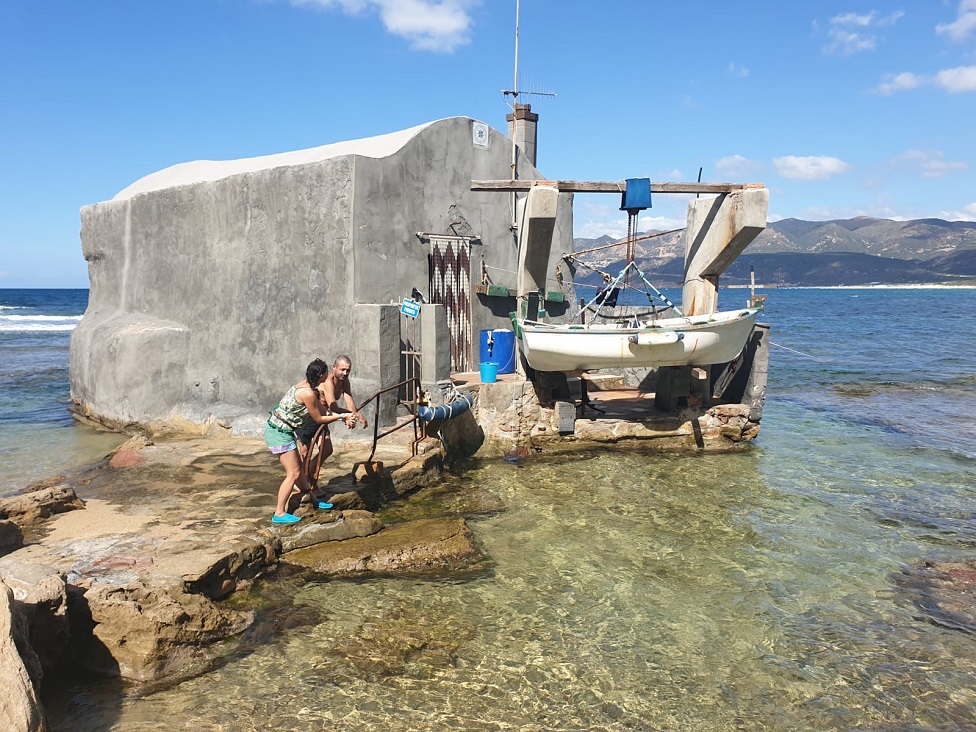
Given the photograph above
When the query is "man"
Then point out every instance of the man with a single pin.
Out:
(335, 389)
(331, 390)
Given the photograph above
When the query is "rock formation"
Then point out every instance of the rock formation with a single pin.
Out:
(20, 710)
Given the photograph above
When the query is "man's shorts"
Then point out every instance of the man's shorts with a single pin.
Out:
(279, 441)
(308, 430)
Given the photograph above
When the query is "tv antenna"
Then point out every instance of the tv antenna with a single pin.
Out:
(514, 91)
(514, 94)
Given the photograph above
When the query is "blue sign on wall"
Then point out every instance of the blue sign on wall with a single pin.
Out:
(410, 308)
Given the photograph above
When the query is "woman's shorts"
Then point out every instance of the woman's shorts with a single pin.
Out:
(279, 441)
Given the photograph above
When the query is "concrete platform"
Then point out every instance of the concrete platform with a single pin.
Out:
(512, 417)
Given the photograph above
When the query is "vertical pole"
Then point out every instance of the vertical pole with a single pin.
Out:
(515, 122)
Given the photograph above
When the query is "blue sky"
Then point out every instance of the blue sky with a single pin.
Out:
(841, 108)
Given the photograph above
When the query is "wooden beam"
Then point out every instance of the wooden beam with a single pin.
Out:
(583, 186)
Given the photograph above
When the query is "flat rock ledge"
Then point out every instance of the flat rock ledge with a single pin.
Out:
(423, 546)
(129, 582)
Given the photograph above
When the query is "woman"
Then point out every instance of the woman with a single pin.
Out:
(300, 402)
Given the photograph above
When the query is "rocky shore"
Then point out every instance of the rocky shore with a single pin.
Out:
(128, 569)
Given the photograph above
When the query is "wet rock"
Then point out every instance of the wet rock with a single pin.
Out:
(145, 633)
(415, 547)
(417, 639)
(11, 536)
(240, 560)
(40, 593)
(20, 709)
(29, 508)
(129, 453)
(126, 459)
(345, 525)
(422, 469)
(945, 592)
(349, 500)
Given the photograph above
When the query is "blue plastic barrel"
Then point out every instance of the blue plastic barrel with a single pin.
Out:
(498, 347)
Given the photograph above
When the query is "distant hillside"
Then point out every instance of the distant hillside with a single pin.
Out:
(919, 239)
(855, 251)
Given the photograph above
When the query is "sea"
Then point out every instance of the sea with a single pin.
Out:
(784, 587)
(39, 438)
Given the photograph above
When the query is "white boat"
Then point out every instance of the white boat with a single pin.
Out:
(689, 340)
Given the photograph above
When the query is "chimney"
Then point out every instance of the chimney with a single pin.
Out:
(523, 129)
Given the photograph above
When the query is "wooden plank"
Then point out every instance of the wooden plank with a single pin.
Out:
(582, 186)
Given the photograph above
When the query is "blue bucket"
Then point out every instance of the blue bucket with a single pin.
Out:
(498, 347)
(489, 373)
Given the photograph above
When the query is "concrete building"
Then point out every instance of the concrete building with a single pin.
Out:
(213, 284)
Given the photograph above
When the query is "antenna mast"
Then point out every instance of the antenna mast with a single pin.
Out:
(515, 81)
(514, 94)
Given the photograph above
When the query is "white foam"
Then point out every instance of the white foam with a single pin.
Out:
(36, 327)
(200, 171)
(74, 318)
(38, 323)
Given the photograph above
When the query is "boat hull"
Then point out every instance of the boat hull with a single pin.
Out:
(701, 340)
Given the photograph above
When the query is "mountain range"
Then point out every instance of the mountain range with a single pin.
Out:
(856, 251)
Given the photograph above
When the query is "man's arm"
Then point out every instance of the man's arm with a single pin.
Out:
(332, 400)
(352, 405)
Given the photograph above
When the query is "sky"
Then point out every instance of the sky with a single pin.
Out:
(842, 108)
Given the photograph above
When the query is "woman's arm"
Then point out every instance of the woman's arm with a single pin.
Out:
(309, 397)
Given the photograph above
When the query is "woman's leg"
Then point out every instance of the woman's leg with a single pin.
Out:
(293, 477)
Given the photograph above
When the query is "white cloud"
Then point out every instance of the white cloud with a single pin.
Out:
(809, 167)
(954, 81)
(848, 34)
(931, 164)
(968, 213)
(847, 43)
(737, 165)
(963, 26)
(597, 214)
(899, 82)
(853, 19)
(736, 70)
(429, 25)
(959, 79)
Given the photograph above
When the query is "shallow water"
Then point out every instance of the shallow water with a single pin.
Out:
(694, 593)
(754, 591)
(38, 436)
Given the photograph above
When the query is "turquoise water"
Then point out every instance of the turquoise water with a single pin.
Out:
(757, 591)
(38, 437)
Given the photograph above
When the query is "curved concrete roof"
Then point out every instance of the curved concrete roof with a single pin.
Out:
(200, 171)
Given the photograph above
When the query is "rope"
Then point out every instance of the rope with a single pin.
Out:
(801, 353)
(624, 241)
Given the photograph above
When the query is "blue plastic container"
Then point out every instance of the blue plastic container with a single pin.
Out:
(498, 347)
(489, 373)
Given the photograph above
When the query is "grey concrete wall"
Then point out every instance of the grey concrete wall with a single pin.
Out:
(208, 299)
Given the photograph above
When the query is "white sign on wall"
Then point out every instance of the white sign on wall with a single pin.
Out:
(479, 134)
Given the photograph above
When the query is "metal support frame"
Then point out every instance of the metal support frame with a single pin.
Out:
(312, 463)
